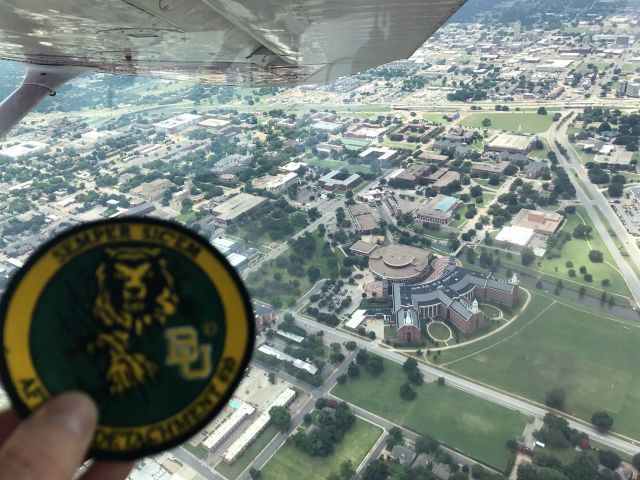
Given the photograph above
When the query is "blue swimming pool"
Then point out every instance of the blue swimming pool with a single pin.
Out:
(235, 404)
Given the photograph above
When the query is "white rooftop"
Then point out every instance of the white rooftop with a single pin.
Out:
(520, 236)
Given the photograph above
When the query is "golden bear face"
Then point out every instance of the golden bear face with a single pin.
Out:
(137, 280)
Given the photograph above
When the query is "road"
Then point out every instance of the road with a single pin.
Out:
(591, 198)
(475, 389)
(283, 247)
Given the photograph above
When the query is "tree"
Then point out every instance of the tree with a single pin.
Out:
(395, 437)
(374, 365)
(280, 418)
(376, 470)
(582, 231)
(253, 473)
(555, 398)
(441, 381)
(342, 379)
(486, 122)
(636, 461)
(410, 364)
(542, 111)
(609, 459)
(272, 378)
(596, 256)
(353, 370)
(427, 444)
(350, 345)
(602, 420)
(347, 471)
(527, 256)
(406, 392)
(362, 356)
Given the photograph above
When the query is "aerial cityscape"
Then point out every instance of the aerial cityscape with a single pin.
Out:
(442, 252)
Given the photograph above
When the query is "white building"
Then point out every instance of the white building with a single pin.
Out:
(179, 122)
(276, 183)
(24, 150)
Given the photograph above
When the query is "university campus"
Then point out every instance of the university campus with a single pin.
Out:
(442, 251)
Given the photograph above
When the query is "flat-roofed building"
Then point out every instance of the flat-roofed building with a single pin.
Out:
(400, 263)
(173, 124)
(363, 248)
(283, 357)
(382, 155)
(440, 209)
(214, 123)
(292, 167)
(487, 168)
(365, 131)
(412, 174)
(276, 183)
(338, 180)
(433, 157)
(225, 428)
(512, 143)
(364, 218)
(544, 223)
(232, 162)
(257, 427)
(154, 190)
(515, 237)
(419, 131)
(238, 205)
(24, 150)
(442, 178)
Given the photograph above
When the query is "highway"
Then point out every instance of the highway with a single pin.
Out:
(590, 197)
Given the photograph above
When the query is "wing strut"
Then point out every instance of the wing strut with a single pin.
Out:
(39, 82)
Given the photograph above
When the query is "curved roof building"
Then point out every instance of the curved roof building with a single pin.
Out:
(400, 263)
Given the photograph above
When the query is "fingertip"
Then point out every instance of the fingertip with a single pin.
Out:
(76, 412)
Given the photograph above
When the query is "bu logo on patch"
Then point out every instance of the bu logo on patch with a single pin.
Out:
(143, 315)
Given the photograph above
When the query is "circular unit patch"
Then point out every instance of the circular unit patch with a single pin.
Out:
(143, 315)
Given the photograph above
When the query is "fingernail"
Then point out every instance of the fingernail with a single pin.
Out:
(75, 412)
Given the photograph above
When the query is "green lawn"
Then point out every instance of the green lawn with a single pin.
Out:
(472, 425)
(434, 117)
(233, 471)
(291, 463)
(593, 357)
(338, 165)
(439, 331)
(630, 67)
(542, 153)
(511, 121)
(577, 251)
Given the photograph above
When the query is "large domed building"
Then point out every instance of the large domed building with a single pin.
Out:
(400, 263)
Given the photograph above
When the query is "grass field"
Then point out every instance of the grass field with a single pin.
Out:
(338, 165)
(511, 121)
(289, 463)
(552, 344)
(233, 471)
(577, 252)
(474, 426)
(434, 117)
(542, 153)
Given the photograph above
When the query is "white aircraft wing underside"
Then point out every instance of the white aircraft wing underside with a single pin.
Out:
(221, 41)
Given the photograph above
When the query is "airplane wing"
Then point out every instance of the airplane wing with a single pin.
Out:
(221, 41)
(231, 42)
